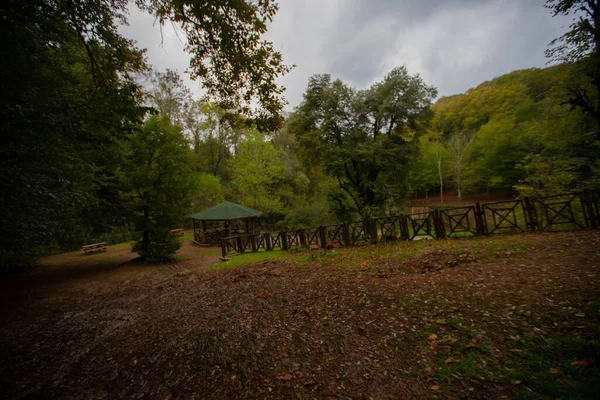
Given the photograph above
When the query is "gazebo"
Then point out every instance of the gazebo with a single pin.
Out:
(224, 220)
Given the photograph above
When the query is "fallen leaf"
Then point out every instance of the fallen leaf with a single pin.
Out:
(453, 360)
(554, 370)
(433, 336)
(448, 340)
(585, 363)
(435, 387)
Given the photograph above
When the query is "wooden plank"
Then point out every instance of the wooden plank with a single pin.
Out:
(93, 247)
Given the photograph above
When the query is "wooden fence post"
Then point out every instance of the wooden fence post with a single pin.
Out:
(302, 236)
(346, 234)
(372, 226)
(590, 209)
(323, 236)
(240, 244)
(481, 228)
(403, 227)
(284, 241)
(268, 243)
(531, 221)
(438, 224)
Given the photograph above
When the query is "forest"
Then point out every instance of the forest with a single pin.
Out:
(99, 145)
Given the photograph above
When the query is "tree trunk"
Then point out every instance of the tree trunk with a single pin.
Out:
(439, 165)
(146, 236)
(458, 172)
(196, 141)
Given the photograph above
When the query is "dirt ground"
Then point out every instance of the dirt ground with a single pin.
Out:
(116, 268)
(509, 316)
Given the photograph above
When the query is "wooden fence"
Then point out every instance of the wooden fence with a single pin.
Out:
(565, 211)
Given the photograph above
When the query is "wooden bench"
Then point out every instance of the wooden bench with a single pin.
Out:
(177, 232)
(94, 247)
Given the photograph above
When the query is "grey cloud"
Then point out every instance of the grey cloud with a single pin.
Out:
(453, 44)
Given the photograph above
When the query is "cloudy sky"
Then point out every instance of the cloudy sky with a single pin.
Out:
(453, 44)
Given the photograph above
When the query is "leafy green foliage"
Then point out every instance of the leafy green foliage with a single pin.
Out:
(158, 169)
(169, 96)
(228, 55)
(211, 192)
(363, 139)
(579, 46)
(160, 245)
(256, 169)
(522, 132)
(67, 97)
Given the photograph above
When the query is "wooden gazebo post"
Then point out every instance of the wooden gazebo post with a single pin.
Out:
(203, 231)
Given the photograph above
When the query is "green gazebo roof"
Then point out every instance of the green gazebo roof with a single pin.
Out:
(225, 211)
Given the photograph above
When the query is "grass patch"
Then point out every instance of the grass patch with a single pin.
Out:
(546, 370)
(249, 258)
(188, 235)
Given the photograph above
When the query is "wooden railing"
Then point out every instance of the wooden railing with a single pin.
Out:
(566, 211)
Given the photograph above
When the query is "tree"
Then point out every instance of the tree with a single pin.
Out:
(580, 46)
(68, 100)
(211, 192)
(429, 170)
(424, 173)
(512, 117)
(228, 55)
(458, 145)
(169, 96)
(219, 133)
(68, 96)
(158, 169)
(439, 151)
(257, 166)
(364, 139)
(547, 175)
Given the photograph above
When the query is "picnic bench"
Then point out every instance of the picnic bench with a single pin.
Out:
(89, 248)
(177, 232)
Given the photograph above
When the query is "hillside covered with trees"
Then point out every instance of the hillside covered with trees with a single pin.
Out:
(513, 132)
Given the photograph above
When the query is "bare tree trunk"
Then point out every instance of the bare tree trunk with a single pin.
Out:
(439, 167)
(458, 174)
(459, 143)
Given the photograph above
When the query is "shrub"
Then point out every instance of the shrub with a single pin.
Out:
(161, 245)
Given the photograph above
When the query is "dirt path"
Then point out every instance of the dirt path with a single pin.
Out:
(469, 318)
(79, 275)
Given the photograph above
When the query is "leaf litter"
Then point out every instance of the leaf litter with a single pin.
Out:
(443, 319)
